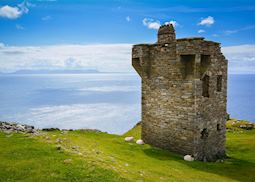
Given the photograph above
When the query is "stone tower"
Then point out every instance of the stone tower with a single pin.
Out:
(184, 94)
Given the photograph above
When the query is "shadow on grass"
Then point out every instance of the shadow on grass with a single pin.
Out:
(237, 169)
(160, 154)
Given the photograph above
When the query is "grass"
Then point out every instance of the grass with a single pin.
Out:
(26, 159)
(103, 157)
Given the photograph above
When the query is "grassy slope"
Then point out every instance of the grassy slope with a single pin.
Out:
(22, 158)
(26, 159)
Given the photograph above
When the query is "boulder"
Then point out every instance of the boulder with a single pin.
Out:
(139, 142)
(188, 158)
(20, 127)
(15, 127)
(129, 139)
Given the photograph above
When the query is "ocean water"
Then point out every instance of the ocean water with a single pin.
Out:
(241, 97)
(108, 102)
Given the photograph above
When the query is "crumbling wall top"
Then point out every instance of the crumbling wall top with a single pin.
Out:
(166, 29)
(166, 35)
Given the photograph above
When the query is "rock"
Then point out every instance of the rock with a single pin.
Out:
(129, 139)
(139, 142)
(247, 126)
(58, 147)
(27, 127)
(75, 147)
(67, 161)
(31, 130)
(188, 158)
(64, 132)
(20, 127)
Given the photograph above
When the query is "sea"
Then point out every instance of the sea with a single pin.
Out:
(110, 102)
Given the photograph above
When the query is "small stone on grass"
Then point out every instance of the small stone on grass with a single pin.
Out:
(188, 158)
(129, 139)
(139, 142)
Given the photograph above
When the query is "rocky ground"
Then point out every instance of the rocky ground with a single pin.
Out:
(8, 127)
(235, 124)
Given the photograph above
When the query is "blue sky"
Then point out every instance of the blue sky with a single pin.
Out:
(121, 21)
(28, 27)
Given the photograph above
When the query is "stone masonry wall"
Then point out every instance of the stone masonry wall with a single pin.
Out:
(175, 115)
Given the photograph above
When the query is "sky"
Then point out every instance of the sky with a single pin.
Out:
(61, 34)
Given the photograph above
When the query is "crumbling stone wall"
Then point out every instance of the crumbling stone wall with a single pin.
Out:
(184, 90)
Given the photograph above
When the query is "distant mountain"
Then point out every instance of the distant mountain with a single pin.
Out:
(56, 71)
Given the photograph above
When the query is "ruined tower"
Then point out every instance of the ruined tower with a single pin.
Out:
(184, 94)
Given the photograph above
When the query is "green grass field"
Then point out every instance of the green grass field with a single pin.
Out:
(99, 156)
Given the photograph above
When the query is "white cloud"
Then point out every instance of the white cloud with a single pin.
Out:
(10, 12)
(207, 21)
(241, 59)
(174, 23)
(46, 18)
(201, 31)
(151, 24)
(112, 118)
(19, 27)
(128, 18)
(155, 24)
(104, 57)
(16, 11)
